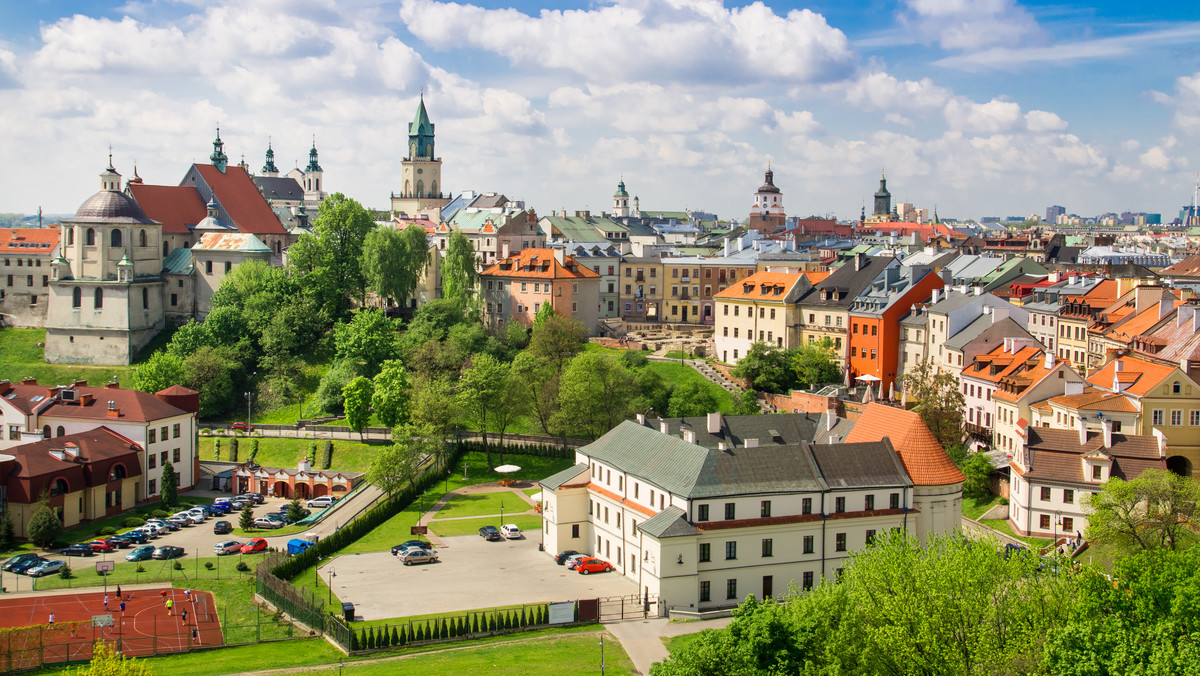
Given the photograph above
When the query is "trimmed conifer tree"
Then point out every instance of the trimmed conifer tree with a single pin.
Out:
(327, 457)
(395, 637)
(233, 449)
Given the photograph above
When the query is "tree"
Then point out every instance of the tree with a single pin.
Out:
(335, 251)
(768, 368)
(434, 414)
(162, 370)
(108, 661)
(8, 538)
(538, 382)
(596, 393)
(746, 403)
(169, 490)
(691, 398)
(978, 472)
(326, 454)
(329, 397)
(1154, 510)
(394, 260)
(295, 512)
(366, 341)
(398, 464)
(480, 392)
(210, 372)
(545, 312)
(939, 400)
(390, 393)
(216, 449)
(358, 404)
(816, 363)
(557, 340)
(458, 268)
(246, 518)
(44, 526)
(189, 338)
(233, 449)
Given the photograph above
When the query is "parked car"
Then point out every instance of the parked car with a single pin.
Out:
(140, 553)
(77, 550)
(222, 527)
(197, 515)
(104, 545)
(266, 522)
(490, 533)
(227, 547)
(322, 502)
(181, 521)
(28, 564)
(167, 552)
(592, 565)
(241, 427)
(510, 531)
(167, 526)
(410, 544)
(573, 561)
(233, 505)
(256, 497)
(19, 559)
(278, 517)
(46, 567)
(564, 555)
(133, 537)
(254, 545)
(218, 509)
(417, 555)
(152, 530)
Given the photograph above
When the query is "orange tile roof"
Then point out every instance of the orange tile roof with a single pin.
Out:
(175, 206)
(1093, 399)
(539, 264)
(1098, 297)
(1141, 376)
(816, 277)
(923, 457)
(1143, 322)
(238, 194)
(763, 286)
(31, 241)
(597, 488)
(981, 367)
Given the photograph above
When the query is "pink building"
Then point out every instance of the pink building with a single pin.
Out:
(516, 287)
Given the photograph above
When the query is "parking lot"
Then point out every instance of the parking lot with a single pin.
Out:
(471, 574)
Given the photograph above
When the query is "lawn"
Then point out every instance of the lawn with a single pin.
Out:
(480, 504)
(676, 643)
(91, 530)
(350, 456)
(527, 524)
(531, 491)
(1005, 527)
(604, 349)
(241, 620)
(673, 373)
(21, 357)
(974, 507)
(126, 572)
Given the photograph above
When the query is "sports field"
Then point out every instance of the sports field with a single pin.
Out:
(145, 627)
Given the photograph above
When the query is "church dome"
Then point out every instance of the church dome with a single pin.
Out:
(113, 207)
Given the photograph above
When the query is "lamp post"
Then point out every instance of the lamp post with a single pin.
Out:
(1057, 518)
(247, 408)
(331, 576)
(602, 654)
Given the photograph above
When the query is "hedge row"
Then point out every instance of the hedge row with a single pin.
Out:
(375, 638)
(537, 450)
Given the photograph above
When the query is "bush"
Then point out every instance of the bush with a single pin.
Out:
(242, 566)
(178, 565)
(1004, 501)
(65, 573)
(133, 522)
(327, 456)
(108, 530)
(208, 565)
(160, 514)
(141, 568)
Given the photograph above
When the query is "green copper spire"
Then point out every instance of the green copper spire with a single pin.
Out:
(420, 134)
(269, 167)
(621, 192)
(312, 158)
(218, 155)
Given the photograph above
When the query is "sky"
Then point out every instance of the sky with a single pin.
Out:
(975, 107)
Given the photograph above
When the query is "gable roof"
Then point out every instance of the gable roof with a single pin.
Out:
(763, 286)
(1092, 399)
(28, 241)
(539, 264)
(241, 199)
(1139, 375)
(669, 523)
(1055, 455)
(923, 457)
(132, 404)
(279, 188)
(95, 445)
(559, 478)
(177, 207)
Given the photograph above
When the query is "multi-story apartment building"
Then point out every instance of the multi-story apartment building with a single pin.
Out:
(641, 288)
(875, 332)
(605, 260)
(760, 308)
(1074, 318)
(1022, 391)
(825, 308)
(516, 288)
(980, 379)
(1139, 311)
(26, 254)
(951, 312)
(1085, 406)
(682, 285)
(495, 233)
(1044, 303)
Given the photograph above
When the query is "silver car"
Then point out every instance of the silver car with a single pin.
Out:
(417, 555)
(227, 547)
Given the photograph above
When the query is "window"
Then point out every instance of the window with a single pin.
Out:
(808, 580)
(90, 240)
(1176, 418)
(574, 530)
(765, 509)
(153, 435)
(730, 511)
(1044, 522)
(1045, 494)
(869, 503)
(701, 511)
(208, 267)
(1158, 416)
(1068, 496)
(162, 457)
(1193, 418)
(1097, 472)
(175, 455)
(141, 238)
(894, 501)
(98, 299)
(870, 535)
(152, 485)
(1068, 524)
(839, 505)
(162, 433)
(839, 542)
(228, 266)
(705, 552)
(772, 313)
(705, 587)
(808, 544)
(77, 297)
(768, 547)
(730, 550)
(151, 461)
(145, 298)
(806, 506)
(731, 588)
(115, 237)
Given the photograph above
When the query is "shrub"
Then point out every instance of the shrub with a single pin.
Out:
(178, 565)
(242, 566)
(327, 456)
(133, 522)
(65, 573)
(108, 530)
(141, 568)
(208, 565)
(1004, 501)
(160, 514)
(233, 449)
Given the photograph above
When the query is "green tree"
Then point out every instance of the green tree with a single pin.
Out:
(366, 341)
(44, 526)
(8, 538)
(390, 393)
(189, 338)
(326, 454)
(816, 363)
(433, 413)
(746, 403)
(595, 394)
(397, 465)
(653, 392)
(108, 661)
(216, 449)
(211, 373)
(557, 340)
(233, 449)
(246, 518)
(480, 395)
(336, 245)
(978, 472)
(768, 368)
(939, 400)
(546, 311)
(162, 370)
(169, 490)
(328, 397)
(394, 260)
(458, 268)
(1154, 510)
(538, 382)
(295, 512)
(358, 404)
(691, 398)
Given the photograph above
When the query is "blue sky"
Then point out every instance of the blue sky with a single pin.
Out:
(980, 107)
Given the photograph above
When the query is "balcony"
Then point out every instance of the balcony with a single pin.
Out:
(978, 432)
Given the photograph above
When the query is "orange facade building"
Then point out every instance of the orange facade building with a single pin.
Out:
(875, 333)
(516, 288)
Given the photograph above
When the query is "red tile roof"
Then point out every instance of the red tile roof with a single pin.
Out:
(236, 192)
(133, 405)
(539, 264)
(923, 457)
(175, 206)
(1096, 400)
(28, 241)
(1141, 376)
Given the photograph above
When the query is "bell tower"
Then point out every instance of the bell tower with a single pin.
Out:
(621, 201)
(421, 170)
(768, 215)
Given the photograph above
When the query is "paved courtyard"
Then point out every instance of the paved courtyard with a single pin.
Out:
(472, 574)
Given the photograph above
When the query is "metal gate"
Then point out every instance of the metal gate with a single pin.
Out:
(631, 607)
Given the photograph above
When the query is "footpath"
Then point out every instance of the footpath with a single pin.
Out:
(643, 639)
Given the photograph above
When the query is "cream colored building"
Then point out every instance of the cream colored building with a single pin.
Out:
(761, 308)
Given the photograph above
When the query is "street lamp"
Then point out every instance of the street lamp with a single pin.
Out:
(602, 654)
(331, 576)
(247, 407)
(1057, 519)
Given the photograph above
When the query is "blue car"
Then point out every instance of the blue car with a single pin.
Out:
(77, 550)
(133, 537)
(141, 553)
(23, 562)
(218, 508)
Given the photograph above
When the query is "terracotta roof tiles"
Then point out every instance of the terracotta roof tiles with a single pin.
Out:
(923, 457)
(177, 207)
(762, 286)
(236, 192)
(538, 264)
(28, 241)
(1140, 376)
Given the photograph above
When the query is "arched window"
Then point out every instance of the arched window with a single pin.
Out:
(98, 299)
(59, 487)
(115, 237)
(70, 236)
(77, 297)
(420, 189)
(90, 239)
(145, 298)
(60, 431)
(408, 189)
(141, 238)
(117, 472)
(433, 189)
(46, 432)
(165, 250)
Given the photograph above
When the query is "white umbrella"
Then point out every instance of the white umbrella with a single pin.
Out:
(536, 497)
(508, 469)
(869, 378)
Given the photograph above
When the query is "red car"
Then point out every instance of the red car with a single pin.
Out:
(592, 565)
(241, 427)
(254, 545)
(105, 545)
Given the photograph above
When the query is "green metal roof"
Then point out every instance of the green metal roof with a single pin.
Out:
(178, 262)
(559, 478)
(669, 523)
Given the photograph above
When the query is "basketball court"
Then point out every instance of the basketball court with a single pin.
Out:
(144, 628)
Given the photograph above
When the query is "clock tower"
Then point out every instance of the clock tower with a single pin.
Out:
(767, 215)
(420, 171)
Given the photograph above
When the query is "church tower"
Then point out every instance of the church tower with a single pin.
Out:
(883, 202)
(767, 215)
(621, 201)
(269, 168)
(421, 170)
(218, 158)
(314, 194)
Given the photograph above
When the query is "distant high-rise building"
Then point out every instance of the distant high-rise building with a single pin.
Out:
(1052, 213)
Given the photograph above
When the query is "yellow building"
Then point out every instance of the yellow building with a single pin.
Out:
(759, 309)
(641, 288)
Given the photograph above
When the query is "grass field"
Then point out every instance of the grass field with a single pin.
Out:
(479, 504)
(674, 373)
(974, 507)
(21, 357)
(350, 456)
(1005, 527)
(126, 572)
(527, 523)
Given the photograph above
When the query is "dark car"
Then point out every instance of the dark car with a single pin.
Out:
(77, 550)
(28, 564)
(490, 533)
(563, 556)
(133, 537)
(18, 560)
(411, 543)
(256, 497)
(218, 508)
(222, 527)
(167, 552)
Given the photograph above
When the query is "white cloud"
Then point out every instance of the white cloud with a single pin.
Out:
(1042, 121)
(991, 117)
(1006, 56)
(968, 25)
(880, 91)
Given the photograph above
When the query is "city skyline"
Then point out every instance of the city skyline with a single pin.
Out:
(990, 108)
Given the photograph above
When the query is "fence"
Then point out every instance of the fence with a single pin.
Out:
(473, 624)
(299, 603)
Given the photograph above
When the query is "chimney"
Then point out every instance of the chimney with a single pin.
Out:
(28, 381)
(85, 399)
(1073, 387)
(689, 435)
(1055, 277)
(641, 418)
(78, 383)
(560, 255)
(113, 411)
(1082, 429)
(1118, 366)
(305, 465)
(71, 449)
(858, 261)
(112, 384)
(937, 295)
(5, 386)
(1049, 360)
(1106, 425)
(663, 427)
(830, 420)
(504, 250)
(979, 291)
(751, 443)
(1073, 280)
(722, 446)
(714, 423)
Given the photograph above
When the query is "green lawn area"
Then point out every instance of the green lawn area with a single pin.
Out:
(674, 373)
(350, 456)
(603, 349)
(126, 572)
(531, 491)
(1005, 527)
(674, 643)
(241, 620)
(527, 523)
(974, 507)
(20, 357)
(479, 504)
